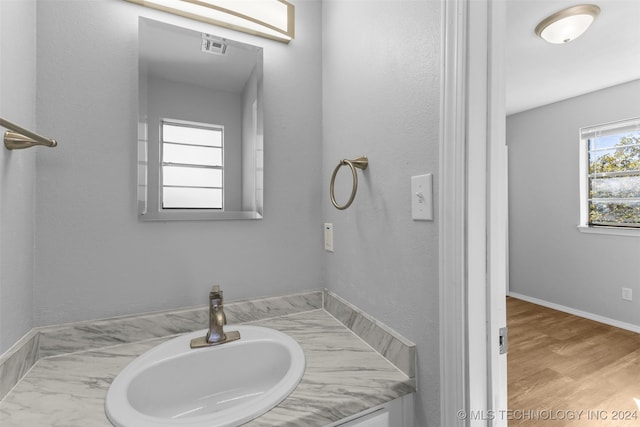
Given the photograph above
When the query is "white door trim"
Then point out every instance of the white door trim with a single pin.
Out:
(452, 214)
(473, 227)
(497, 213)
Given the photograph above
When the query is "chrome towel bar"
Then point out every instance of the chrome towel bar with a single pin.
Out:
(359, 162)
(19, 137)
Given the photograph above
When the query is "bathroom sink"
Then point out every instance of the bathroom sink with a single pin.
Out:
(225, 385)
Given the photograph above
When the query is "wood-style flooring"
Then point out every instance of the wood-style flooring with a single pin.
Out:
(568, 371)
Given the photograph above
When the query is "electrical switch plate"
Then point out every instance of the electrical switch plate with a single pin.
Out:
(422, 197)
(627, 294)
(328, 236)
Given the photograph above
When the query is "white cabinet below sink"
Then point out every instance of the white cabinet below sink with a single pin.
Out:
(397, 413)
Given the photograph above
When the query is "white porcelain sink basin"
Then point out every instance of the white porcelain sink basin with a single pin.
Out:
(226, 385)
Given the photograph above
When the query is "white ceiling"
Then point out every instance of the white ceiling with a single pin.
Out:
(540, 73)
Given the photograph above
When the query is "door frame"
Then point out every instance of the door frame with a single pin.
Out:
(473, 206)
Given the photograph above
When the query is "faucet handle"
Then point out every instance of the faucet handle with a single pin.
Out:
(215, 292)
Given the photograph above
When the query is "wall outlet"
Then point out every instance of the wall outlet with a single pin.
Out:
(328, 236)
(627, 294)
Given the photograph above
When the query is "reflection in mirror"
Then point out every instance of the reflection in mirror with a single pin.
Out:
(200, 140)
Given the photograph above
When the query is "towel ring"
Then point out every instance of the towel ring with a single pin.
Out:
(359, 162)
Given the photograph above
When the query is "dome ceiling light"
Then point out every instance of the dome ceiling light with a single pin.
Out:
(567, 24)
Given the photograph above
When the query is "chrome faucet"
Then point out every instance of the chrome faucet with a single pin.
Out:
(217, 318)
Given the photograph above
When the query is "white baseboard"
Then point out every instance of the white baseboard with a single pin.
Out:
(580, 313)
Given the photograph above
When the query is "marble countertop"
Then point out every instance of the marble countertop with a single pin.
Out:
(343, 376)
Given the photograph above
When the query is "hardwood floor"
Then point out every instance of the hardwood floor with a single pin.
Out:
(568, 371)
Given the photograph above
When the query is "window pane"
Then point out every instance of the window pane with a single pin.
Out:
(615, 160)
(191, 155)
(600, 143)
(615, 213)
(198, 198)
(614, 153)
(615, 187)
(191, 135)
(191, 177)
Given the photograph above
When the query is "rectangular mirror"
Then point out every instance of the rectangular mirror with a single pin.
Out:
(200, 138)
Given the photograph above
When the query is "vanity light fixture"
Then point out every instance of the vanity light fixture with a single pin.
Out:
(273, 19)
(567, 24)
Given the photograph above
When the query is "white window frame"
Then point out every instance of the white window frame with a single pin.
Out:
(585, 134)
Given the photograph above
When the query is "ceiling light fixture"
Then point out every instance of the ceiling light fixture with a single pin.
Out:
(567, 24)
(273, 19)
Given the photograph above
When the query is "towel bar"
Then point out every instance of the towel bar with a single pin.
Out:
(19, 137)
(359, 162)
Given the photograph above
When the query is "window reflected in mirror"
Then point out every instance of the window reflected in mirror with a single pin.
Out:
(192, 168)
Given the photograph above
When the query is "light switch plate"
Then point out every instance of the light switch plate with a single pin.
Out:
(422, 197)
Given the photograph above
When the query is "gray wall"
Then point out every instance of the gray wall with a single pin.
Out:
(549, 258)
(381, 85)
(17, 170)
(94, 258)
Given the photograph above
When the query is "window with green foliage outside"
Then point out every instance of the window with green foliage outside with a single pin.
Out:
(613, 174)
